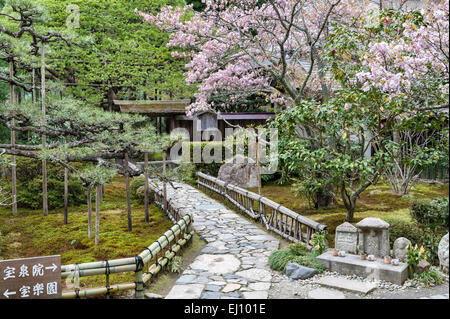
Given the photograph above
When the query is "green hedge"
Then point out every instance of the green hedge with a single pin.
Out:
(401, 228)
(432, 219)
(29, 185)
(211, 169)
(432, 214)
(137, 183)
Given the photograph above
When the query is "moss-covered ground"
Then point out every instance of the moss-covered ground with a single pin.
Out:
(377, 201)
(31, 234)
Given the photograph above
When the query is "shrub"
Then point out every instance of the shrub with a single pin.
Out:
(432, 219)
(278, 259)
(298, 249)
(29, 194)
(429, 278)
(211, 169)
(135, 185)
(296, 253)
(310, 261)
(175, 265)
(431, 214)
(401, 228)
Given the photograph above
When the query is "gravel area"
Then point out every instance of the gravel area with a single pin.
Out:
(285, 288)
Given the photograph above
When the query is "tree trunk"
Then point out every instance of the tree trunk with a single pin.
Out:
(89, 203)
(349, 203)
(102, 190)
(13, 143)
(324, 197)
(44, 138)
(66, 195)
(97, 214)
(127, 178)
(146, 199)
(350, 213)
(111, 98)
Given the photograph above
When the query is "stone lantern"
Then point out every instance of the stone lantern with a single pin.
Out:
(373, 237)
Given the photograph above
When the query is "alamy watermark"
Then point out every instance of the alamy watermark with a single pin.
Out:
(73, 20)
(210, 146)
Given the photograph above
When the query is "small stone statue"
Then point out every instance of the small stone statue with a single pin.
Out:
(401, 248)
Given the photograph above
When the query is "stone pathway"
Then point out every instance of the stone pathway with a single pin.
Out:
(234, 263)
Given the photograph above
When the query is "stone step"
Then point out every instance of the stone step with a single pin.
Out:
(323, 293)
(347, 284)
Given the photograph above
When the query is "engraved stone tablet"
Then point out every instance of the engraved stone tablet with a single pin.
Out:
(347, 238)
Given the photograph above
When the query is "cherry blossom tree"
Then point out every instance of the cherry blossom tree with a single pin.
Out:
(412, 61)
(401, 56)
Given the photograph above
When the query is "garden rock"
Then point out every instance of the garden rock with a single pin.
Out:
(423, 266)
(240, 171)
(141, 192)
(296, 271)
(401, 248)
(443, 253)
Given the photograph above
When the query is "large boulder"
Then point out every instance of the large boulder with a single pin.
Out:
(443, 253)
(240, 171)
(296, 271)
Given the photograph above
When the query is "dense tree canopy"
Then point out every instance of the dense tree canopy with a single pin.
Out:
(118, 56)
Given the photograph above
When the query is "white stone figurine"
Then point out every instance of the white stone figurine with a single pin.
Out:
(401, 248)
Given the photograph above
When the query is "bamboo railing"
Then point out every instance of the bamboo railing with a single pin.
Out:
(155, 257)
(273, 216)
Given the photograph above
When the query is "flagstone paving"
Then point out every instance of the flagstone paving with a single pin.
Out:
(234, 263)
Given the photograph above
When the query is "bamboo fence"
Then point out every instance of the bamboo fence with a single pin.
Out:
(275, 217)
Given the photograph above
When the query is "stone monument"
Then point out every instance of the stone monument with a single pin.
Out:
(401, 248)
(347, 238)
(443, 253)
(373, 237)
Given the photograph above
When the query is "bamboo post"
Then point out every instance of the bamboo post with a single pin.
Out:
(89, 203)
(44, 138)
(13, 144)
(146, 194)
(164, 184)
(127, 178)
(97, 214)
(66, 194)
(139, 290)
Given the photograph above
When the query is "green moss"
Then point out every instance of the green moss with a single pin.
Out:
(166, 280)
(41, 236)
(377, 201)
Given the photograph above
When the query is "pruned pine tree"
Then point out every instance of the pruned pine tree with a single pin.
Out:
(80, 133)
(95, 177)
(23, 20)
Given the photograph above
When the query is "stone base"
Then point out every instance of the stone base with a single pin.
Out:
(353, 265)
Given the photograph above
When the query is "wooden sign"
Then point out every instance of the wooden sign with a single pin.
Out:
(31, 278)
